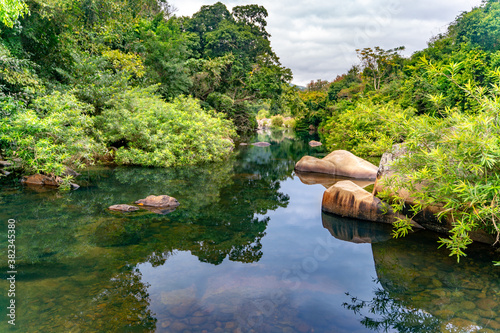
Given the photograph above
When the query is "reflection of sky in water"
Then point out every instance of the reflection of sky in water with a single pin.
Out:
(303, 268)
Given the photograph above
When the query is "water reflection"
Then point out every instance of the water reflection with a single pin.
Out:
(356, 231)
(425, 290)
(244, 252)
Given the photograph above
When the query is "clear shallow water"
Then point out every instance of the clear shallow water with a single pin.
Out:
(248, 250)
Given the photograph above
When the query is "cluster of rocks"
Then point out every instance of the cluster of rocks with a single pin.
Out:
(4, 164)
(161, 204)
(348, 199)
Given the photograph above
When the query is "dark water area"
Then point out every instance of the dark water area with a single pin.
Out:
(248, 250)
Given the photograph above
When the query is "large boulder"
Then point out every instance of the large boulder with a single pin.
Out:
(39, 179)
(340, 163)
(160, 201)
(349, 200)
(44, 180)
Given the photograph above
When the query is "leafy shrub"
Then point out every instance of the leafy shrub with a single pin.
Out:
(367, 129)
(455, 159)
(262, 114)
(58, 133)
(277, 121)
(147, 131)
(290, 123)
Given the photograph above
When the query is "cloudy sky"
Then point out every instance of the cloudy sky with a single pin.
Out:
(317, 39)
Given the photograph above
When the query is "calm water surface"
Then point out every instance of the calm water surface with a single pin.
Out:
(248, 250)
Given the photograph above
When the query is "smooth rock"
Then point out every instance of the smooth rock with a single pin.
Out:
(486, 304)
(313, 143)
(5, 164)
(158, 201)
(123, 208)
(39, 179)
(340, 163)
(349, 200)
(261, 144)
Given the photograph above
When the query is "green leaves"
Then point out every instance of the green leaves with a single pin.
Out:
(11, 10)
(144, 130)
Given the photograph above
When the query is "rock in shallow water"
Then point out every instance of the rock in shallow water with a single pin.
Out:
(340, 163)
(158, 201)
(349, 200)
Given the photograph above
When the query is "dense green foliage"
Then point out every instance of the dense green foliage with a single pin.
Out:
(442, 105)
(106, 80)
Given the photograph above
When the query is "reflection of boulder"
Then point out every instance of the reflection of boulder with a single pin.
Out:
(356, 231)
(123, 208)
(339, 162)
(349, 200)
(422, 277)
(312, 178)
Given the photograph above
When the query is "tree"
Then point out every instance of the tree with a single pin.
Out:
(11, 10)
(379, 63)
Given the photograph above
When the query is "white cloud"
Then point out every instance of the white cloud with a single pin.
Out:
(317, 39)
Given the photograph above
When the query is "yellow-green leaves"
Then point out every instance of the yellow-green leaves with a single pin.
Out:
(11, 10)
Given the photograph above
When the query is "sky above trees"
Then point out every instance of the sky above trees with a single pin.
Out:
(318, 39)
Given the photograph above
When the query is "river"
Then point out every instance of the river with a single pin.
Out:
(247, 250)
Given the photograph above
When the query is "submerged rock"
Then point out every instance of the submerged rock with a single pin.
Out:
(261, 144)
(163, 201)
(339, 162)
(315, 143)
(123, 208)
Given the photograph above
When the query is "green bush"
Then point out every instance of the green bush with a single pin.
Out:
(290, 123)
(367, 129)
(263, 114)
(57, 134)
(277, 121)
(147, 131)
(455, 160)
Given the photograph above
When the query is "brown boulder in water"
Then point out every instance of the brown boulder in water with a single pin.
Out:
(340, 163)
(158, 201)
(349, 200)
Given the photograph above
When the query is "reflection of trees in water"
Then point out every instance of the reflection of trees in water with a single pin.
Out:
(121, 306)
(216, 220)
(425, 290)
(388, 314)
